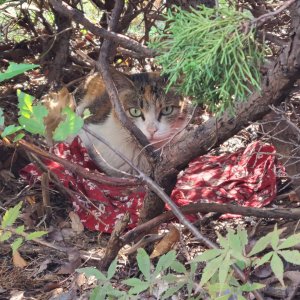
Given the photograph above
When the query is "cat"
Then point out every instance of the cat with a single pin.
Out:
(158, 114)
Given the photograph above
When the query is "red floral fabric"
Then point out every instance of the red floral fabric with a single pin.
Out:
(246, 177)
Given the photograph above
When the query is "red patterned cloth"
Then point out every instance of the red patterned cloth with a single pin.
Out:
(246, 177)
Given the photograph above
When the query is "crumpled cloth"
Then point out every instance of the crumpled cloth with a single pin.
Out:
(247, 177)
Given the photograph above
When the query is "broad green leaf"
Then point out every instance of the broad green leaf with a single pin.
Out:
(277, 267)
(291, 241)
(143, 261)
(5, 235)
(261, 244)
(35, 235)
(70, 126)
(20, 229)
(207, 255)
(178, 267)
(35, 124)
(260, 261)
(16, 244)
(112, 269)
(11, 216)
(11, 129)
(292, 256)
(25, 104)
(89, 271)
(164, 262)
(210, 269)
(1, 117)
(16, 69)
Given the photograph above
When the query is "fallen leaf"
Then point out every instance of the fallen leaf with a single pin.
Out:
(18, 260)
(76, 222)
(293, 197)
(166, 244)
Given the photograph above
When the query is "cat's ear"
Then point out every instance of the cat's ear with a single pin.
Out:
(121, 80)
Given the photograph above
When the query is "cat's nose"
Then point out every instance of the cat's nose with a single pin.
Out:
(152, 129)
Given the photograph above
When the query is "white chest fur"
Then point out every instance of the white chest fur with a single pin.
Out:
(110, 162)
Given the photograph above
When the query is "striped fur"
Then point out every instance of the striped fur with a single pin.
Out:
(159, 115)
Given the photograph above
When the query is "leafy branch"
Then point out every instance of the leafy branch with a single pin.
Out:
(212, 55)
(7, 230)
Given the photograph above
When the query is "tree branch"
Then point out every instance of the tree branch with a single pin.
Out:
(275, 86)
(119, 39)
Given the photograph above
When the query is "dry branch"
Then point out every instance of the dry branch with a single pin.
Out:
(119, 39)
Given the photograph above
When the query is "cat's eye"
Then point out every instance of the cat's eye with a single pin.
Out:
(167, 110)
(135, 112)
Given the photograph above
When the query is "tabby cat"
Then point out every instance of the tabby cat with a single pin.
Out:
(159, 115)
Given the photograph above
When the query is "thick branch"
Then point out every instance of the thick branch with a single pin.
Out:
(275, 87)
(119, 39)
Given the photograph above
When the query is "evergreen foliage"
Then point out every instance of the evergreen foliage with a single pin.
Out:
(212, 54)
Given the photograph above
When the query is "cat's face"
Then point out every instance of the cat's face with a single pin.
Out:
(159, 115)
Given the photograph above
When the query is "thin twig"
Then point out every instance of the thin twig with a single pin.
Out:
(263, 18)
(124, 41)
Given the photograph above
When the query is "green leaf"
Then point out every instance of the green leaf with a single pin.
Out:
(172, 291)
(11, 216)
(178, 267)
(138, 285)
(132, 281)
(291, 241)
(210, 269)
(143, 261)
(261, 244)
(1, 117)
(207, 255)
(277, 267)
(112, 269)
(275, 237)
(18, 137)
(20, 229)
(5, 235)
(16, 69)
(35, 124)
(251, 287)
(11, 129)
(292, 256)
(89, 271)
(224, 270)
(16, 244)
(224, 242)
(264, 259)
(25, 104)
(165, 262)
(70, 126)
(35, 235)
